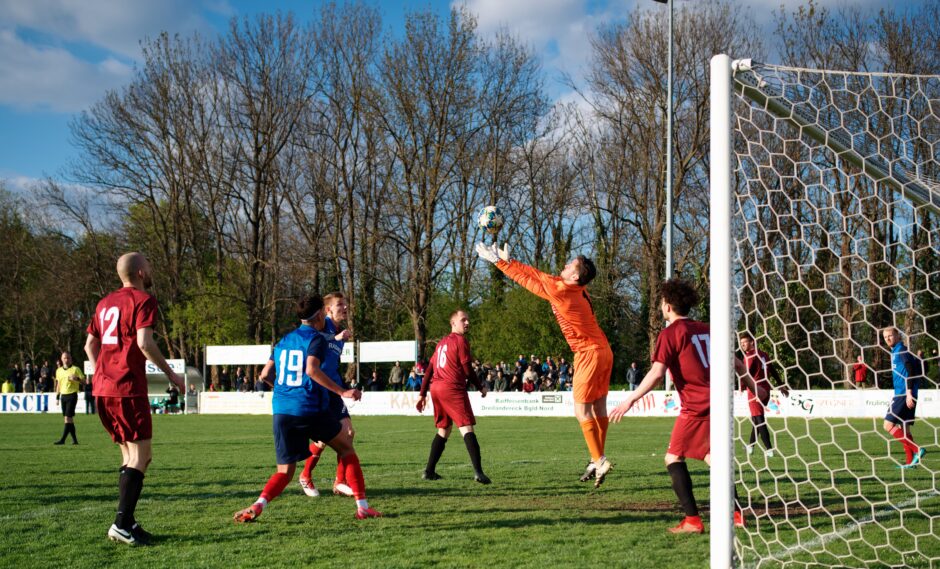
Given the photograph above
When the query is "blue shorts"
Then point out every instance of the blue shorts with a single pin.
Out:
(899, 413)
(292, 434)
(338, 407)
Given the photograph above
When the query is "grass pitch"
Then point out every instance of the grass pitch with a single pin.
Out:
(58, 502)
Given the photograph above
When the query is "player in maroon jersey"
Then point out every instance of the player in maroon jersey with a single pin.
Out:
(682, 349)
(120, 341)
(759, 367)
(447, 374)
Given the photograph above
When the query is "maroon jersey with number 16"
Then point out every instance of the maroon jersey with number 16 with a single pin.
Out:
(120, 370)
(450, 365)
(684, 348)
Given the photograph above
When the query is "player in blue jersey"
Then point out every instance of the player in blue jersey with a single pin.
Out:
(301, 411)
(906, 372)
(336, 311)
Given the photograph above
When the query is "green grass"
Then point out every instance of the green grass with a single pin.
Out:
(59, 501)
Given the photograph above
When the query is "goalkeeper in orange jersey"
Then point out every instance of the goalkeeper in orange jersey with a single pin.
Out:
(593, 358)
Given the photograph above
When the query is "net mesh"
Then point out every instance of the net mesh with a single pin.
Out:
(836, 237)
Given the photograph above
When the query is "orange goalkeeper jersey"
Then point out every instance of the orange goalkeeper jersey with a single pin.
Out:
(570, 303)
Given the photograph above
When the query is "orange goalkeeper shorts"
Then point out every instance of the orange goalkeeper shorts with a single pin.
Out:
(592, 370)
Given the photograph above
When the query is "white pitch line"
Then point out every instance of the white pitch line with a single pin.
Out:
(850, 528)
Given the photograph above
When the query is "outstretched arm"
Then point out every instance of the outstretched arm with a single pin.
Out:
(656, 373)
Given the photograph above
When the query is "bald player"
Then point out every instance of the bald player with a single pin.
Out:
(593, 358)
(120, 341)
(448, 372)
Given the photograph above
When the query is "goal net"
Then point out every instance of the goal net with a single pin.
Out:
(830, 184)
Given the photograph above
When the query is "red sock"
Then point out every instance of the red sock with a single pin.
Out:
(275, 486)
(354, 476)
(340, 471)
(908, 452)
(312, 461)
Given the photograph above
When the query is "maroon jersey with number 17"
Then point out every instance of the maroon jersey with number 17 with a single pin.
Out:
(450, 365)
(683, 347)
(120, 370)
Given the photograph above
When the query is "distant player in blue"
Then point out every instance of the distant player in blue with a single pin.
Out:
(301, 411)
(906, 372)
(336, 311)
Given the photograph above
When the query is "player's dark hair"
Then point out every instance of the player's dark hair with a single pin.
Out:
(308, 306)
(746, 334)
(679, 294)
(586, 270)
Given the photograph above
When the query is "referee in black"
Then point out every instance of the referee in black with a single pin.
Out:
(68, 382)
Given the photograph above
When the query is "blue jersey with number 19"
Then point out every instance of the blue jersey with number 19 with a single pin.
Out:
(295, 393)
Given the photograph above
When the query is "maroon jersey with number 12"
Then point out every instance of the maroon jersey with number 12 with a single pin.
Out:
(450, 366)
(684, 348)
(120, 370)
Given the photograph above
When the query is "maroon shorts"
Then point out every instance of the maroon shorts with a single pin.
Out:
(127, 419)
(755, 404)
(451, 406)
(690, 437)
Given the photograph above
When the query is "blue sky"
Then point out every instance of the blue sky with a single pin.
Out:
(59, 56)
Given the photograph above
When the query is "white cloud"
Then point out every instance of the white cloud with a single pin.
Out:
(51, 78)
(115, 26)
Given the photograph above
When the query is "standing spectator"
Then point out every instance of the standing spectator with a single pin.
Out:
(225, 380)
(7, 386)
(68, 382)
(241, 378)
(192, 390)
(16, 378)
(173, 399)
(522, 362)
(564, 374)
(413, 383)
(395, 377)
(45, 378)
(861, 372)
(501, 383)
(634, 377)
(419, 370)
(89, 398)
(260, 386)
(375, 382)
(29, 378)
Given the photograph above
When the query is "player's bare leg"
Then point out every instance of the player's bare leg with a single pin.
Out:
(342, 444)
(306, 475)
(136, 456)
(437, 449)
(340, 488)
(473, 448)
(273, 489)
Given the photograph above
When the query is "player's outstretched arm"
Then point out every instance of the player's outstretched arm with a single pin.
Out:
(652, 378)
(152, 352)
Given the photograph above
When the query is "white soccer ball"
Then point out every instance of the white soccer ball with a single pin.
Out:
(490, 219)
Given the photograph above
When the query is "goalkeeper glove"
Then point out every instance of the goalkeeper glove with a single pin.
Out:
(504, 252)
(488, 253)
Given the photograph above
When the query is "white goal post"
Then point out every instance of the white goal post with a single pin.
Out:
(825, 231)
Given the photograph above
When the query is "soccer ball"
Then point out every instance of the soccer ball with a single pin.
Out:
(490, 219)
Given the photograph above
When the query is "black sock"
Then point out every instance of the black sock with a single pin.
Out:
(65, 432)
(682, 486)
(764, 433)
(473, 447)
(72, 432)
(437, 449)
(753, 438)
(130, 485)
